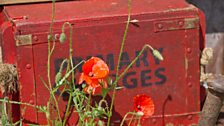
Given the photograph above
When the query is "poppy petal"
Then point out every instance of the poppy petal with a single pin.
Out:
(143, 103)
(87, 66)
(100, 69)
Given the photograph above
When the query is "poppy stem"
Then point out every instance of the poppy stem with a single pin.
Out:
(88, 103)
(77, 107)
(103, 101)
(133, 61)
(67, 109)
(124, 37)
(126, 115)
(69, 72)
(62, 64)
(119, 59)
(131, 120)
(73, 74)
(50, 51)
(18, 103)
(127, 68)
(139, 121)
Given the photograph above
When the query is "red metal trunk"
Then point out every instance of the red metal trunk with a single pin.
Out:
(173, 27)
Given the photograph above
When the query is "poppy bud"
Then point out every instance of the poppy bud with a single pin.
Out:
(100, 108)
(157, 54)
(48, 37)
(83, 85)
(62, 37)
(140, 113)
(58, 77)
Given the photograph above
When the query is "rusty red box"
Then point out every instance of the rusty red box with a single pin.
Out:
(173, 27)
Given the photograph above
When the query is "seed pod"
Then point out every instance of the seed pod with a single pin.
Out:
(140, 113)
(48, 37)
(58, 77)
(157, 54)
(62, 38)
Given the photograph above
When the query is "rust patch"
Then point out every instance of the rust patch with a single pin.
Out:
(190, 23)
(23, 40)
(169, 124)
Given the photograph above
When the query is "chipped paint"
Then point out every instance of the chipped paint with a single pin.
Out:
(169, 124)
(193, 125)
(176, 24)
(186, 63)
(190, 7)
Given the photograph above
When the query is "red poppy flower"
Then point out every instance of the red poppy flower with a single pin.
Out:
(94, 72)
(144, 104)
(95, 68)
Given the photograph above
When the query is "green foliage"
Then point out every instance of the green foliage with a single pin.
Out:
(3, 116)
(90, 113)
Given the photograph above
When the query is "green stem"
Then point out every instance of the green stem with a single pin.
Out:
(67, 74)
(50, 51)
(18, 103)
(139, 120)
(47, 114)
(89, 102)
(70, 43)
(103, 101)
(106, 108)
(49, 44)
(131, 120)
(73, 74)
(56, 105)
(62, 64)
(133, 61)
(78, 109)
(119, 59)
(67, 109)
(124, 37)
(60, 95)
(67, 69)
(129, 113)
(126, 69)
(45, 84)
